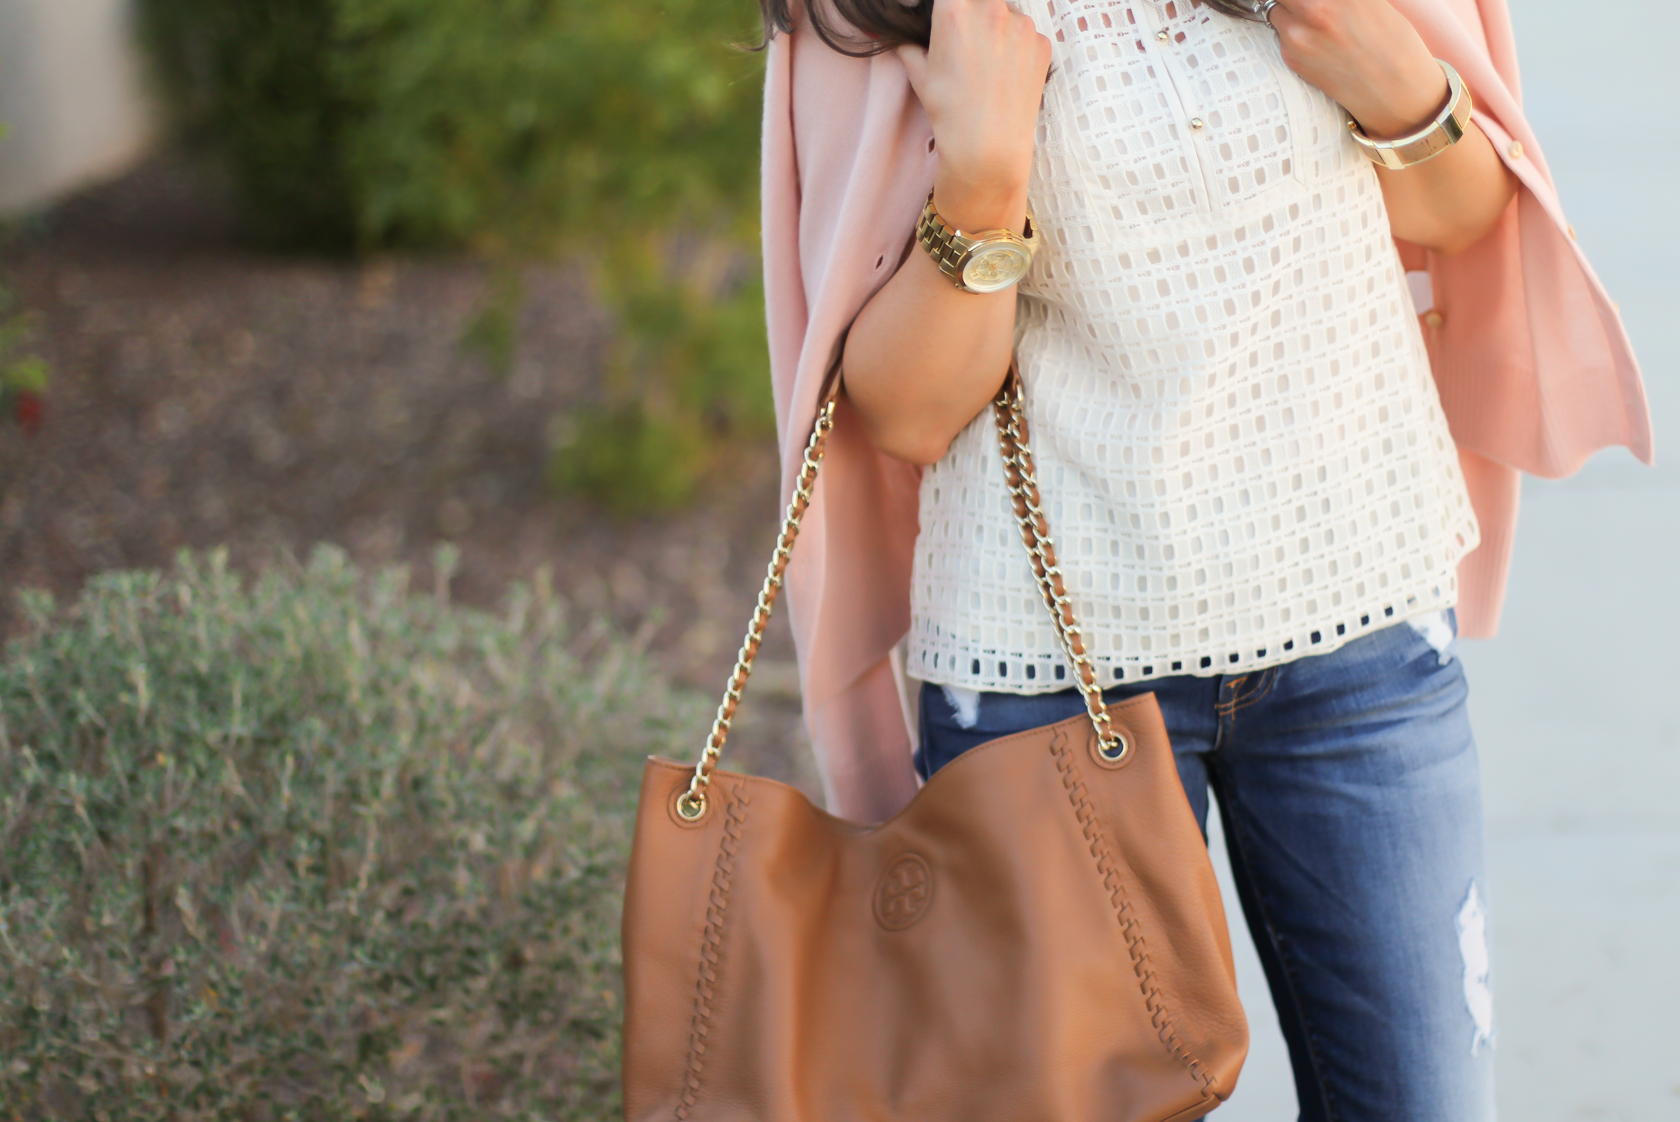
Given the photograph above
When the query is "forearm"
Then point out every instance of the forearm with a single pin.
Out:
(1448, 203)
(923, 357)
(1366, 56)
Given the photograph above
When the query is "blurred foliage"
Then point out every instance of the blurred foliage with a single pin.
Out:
(21, 370)
(494, 332)
(315, 848)
(23, 374)
(624, 133)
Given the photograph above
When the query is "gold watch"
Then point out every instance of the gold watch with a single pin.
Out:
(984, 261)
(1444, 131)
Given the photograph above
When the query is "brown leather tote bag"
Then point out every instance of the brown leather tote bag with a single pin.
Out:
(1036, 937)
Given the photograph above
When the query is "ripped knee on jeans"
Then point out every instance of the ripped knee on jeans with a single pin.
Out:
(1471, 924)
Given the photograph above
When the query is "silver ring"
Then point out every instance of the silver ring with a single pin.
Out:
(1266, 11)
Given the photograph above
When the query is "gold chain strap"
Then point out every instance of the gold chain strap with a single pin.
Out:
(692, 804)
(1009, 412)
(1020, 475)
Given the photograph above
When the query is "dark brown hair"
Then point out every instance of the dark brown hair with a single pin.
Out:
(861, 28)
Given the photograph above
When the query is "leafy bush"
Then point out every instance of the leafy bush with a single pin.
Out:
(625, 133)
(315, 848)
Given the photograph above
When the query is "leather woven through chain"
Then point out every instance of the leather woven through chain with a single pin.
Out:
(692, 804)
(1009, 413)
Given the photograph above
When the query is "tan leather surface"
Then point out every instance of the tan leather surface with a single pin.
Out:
(1035, 938)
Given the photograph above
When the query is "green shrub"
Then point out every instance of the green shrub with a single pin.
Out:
(650, 443)
(21, 370)
(23, 374)
(316, 848)
(621, 133)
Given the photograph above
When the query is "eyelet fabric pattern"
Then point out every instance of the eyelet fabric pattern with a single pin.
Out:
(1240, 444)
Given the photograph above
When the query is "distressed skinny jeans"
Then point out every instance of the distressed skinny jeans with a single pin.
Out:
(1349, 789)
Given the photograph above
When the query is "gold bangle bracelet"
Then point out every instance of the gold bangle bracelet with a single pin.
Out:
(1445, 130)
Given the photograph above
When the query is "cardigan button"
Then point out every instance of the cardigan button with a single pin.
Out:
(1163, 35)
(1516, 149)
(1434, 319)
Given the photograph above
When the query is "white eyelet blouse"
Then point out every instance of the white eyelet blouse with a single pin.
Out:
(1240, 446)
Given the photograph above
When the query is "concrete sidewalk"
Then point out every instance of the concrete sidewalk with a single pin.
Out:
(1577, 720)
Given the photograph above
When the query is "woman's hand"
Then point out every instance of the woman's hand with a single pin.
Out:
(1370, 58)
(1365, 55)
(981, 81)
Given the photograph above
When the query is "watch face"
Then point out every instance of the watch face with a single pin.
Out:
(995, 266)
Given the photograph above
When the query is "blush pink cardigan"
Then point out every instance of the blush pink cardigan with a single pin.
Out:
(1534, 369)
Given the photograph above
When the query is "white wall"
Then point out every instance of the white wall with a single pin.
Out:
(71, 94)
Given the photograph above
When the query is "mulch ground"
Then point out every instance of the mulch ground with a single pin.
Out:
(204, 394)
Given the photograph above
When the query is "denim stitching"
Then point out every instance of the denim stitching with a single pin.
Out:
(1268, 678)
(1225, 708)
(1234, 824)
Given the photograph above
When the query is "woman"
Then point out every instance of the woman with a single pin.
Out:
(1268, 506)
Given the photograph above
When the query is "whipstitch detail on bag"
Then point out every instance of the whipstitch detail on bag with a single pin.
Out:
(1129, 925)
(711, 944)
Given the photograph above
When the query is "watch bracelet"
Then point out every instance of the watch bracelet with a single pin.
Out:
(939, 239)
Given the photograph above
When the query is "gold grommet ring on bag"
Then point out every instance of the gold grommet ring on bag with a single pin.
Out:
(1115, 753)
(687, 809)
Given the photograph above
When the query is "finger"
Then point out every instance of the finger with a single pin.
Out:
(915, 63)
(1283, 19)
(1279, 12)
